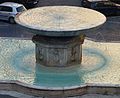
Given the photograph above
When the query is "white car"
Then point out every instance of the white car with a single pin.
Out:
(9, 10)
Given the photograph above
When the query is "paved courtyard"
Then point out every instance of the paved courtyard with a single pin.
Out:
(108, 34)
(59, 2)
(106, 39)
(12, 94)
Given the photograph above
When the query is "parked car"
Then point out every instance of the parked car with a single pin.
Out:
(115, 1)
(9, 10)
(26, 3)
(106, 7)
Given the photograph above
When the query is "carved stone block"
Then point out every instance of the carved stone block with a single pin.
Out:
(58, 52)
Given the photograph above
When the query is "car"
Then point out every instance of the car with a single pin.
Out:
(27, 3)
(106, 7)
(9, 10)
(115, 1)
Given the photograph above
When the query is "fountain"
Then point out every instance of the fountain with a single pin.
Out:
(59, 61)
(59, 32)
(59, 66)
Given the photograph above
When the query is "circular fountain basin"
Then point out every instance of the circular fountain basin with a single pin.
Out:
(18, 63)
(60, 20)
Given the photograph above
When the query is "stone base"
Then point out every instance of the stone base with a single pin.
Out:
(58, 52)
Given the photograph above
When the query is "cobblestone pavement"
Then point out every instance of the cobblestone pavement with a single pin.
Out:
(59, 2)
(13, 94)
(109, 32)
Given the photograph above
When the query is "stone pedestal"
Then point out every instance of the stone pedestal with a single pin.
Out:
(58, 51)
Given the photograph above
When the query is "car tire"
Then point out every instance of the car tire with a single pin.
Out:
(11, 20)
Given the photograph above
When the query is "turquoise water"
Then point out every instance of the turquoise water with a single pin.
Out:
(18, 63)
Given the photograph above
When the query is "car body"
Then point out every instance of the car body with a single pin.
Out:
(26, 3)
(115, 1)
(9, 10)
(106, 7)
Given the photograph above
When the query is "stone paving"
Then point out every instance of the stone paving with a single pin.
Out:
(59, 2)
(13, 94)
(109, 32)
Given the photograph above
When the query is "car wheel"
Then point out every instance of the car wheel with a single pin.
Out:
(11, 20)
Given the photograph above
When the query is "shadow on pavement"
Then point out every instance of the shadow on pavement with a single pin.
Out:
(6, 96)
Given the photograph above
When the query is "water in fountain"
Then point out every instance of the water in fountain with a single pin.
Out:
(18, 63)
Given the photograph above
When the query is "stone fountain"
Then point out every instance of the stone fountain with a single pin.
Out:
(59, 32)
(60, 64)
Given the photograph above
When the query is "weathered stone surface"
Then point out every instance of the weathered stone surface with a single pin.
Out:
(60, 52)
(60, 20)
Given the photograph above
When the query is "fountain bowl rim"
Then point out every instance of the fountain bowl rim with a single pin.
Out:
(76, 32)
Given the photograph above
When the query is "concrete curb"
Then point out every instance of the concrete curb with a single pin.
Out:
(106, 89)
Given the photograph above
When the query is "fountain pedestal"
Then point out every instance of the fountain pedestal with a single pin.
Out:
(58, 51)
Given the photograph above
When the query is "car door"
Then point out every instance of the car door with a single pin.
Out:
(107, 8)
(108, 11)
(5, 12)
(118, 10)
